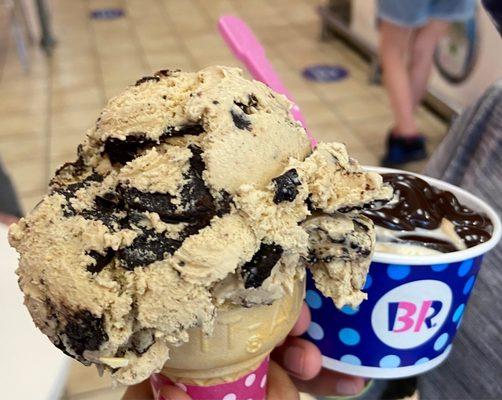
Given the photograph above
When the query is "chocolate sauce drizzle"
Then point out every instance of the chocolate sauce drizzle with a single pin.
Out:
(421, 205)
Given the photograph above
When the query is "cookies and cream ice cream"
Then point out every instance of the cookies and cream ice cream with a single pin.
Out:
(192, 192)
(424, 220)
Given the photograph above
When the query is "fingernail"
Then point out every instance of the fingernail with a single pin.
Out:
(347, 387)
(293, 359)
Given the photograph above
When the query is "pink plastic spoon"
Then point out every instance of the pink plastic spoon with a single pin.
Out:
(246, 47)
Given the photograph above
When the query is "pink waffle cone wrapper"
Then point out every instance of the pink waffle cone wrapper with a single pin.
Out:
(251, 386)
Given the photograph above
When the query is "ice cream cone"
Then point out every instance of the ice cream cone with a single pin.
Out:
(240, 344)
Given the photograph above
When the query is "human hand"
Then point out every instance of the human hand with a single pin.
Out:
(279, 387)
(302, 361)
(7, 219)
(295, 366)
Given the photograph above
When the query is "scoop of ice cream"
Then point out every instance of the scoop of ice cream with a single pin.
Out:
(193, 191)
(424, 220)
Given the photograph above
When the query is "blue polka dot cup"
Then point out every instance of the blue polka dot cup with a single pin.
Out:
(413, 311)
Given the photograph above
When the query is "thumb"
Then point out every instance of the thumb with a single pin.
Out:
(164, 389)
(280, 386)
(171, 392)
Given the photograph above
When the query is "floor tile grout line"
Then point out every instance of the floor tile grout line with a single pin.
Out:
(137, 40)
(97, 61)
(207, 17)
(3, 59)
(183, 46)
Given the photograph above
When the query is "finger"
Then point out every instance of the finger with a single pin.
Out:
(302, 323)
(280, 386)
(7, 219)
(329, 383)
(141, 391)
(170, 392)
(299, 357)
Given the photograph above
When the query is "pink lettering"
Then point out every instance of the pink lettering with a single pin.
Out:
(406, 319)
(422, 314)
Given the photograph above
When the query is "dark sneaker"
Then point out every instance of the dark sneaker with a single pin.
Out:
(402, 150)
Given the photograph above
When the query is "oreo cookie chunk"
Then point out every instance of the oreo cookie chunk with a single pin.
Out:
(197, 203)
(195, 195)
(146, 249)
(146, 79)
(108, 208)
(286, 186)
(121, 151)
(69, 191)
(240, 120)
(160, 203)
(250, 107)
(101, 260)
(255, 271)
(85, 331)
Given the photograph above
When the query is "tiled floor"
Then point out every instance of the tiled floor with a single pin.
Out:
(44, 113)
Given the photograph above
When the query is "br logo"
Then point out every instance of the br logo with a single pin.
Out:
(411, 314)
(404, 315)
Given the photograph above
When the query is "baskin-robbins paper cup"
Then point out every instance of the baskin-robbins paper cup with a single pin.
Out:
(232, 362)
(413, 311)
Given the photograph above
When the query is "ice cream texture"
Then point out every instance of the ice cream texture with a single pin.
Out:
(192, 193)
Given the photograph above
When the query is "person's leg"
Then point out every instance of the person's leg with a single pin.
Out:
(422, 52)
(395, 42)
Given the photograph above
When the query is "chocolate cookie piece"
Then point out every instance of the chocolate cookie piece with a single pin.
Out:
(146, 79)
(108, 208)
(240, 120)
(73, 169)
(160, 203)
(85, 331)
(196, 200)
(146, 249)
(195, 195)
(111, 200)
(248, 108)
(166, 72)
(254, 272)
(69, 191)
(101, 260)
(224, 205)
(286, 186)
(121, 151)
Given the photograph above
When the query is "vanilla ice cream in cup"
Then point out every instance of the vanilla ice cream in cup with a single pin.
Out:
(418, 285)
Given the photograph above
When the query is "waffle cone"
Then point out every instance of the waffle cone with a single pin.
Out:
(241, 340)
